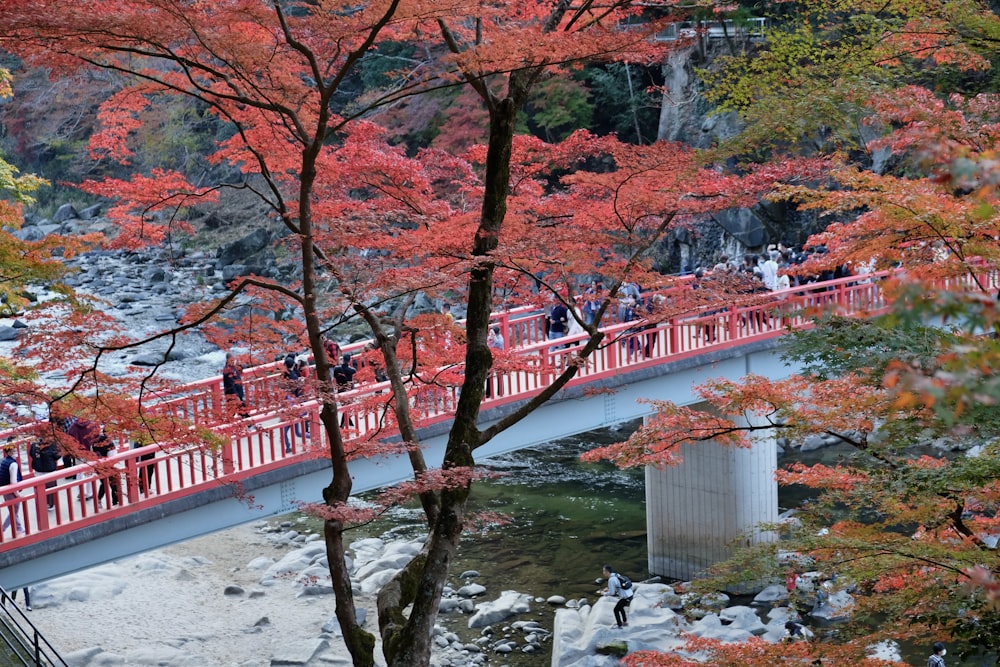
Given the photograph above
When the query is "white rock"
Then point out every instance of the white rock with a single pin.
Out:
(367, 549)
(411, 548)
(448, 605)
(715, 600)
(771, 594)
(837, 606)
(508, 604)
(743, 618)
(471, 590)
(885, 650)
(393, 562)
(260, 563)
(374, 583)
(288, 567)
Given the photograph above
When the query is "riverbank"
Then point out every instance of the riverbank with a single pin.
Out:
(198, 603)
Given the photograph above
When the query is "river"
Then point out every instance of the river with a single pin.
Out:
(566, 519)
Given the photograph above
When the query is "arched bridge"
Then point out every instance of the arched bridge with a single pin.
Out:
(168, 495)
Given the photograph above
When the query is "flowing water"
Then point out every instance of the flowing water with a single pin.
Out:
(565, 520)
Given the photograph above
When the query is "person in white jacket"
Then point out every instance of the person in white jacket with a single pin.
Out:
(624, 595)
(769, 270)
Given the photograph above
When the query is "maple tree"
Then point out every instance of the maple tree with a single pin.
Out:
(372, 226)
(911, 530)
(811, 81)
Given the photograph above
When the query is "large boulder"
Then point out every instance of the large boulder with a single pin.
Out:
(36, 232)
(508, 604)
(837, 606)
(91, 212)
(741, 617)
(240, 250)
(65, 212)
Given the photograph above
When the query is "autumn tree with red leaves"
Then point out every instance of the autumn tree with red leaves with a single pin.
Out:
(373, 226)
(911, 529)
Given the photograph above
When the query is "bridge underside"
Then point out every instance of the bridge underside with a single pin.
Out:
(574, 411)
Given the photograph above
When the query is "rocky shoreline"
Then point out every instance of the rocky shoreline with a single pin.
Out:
(260, 596)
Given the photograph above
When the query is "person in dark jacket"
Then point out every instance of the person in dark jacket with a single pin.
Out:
(292, 378)
(111, 482)
(44, 457)
(87, 435)
(232, 382)
(343, 377)
(343, 374)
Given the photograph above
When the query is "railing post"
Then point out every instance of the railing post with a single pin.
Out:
(315, 426)
(218, 401)
(41, 505)
(228, 466)
(504, 324)
(132, 472)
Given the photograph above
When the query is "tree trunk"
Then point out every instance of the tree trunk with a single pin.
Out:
(360, 643)
(422, 582)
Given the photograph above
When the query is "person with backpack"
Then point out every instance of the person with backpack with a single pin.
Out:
(797, 631)
(232, 383)
(619, 586)
(10, 472)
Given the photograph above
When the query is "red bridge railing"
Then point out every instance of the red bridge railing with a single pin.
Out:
(276, 434)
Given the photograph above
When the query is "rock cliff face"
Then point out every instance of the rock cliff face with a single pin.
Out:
(687, 118)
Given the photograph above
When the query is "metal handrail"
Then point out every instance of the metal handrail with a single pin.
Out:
(22, 641)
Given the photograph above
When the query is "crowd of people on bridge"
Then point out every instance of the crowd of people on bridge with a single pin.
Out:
(771, 271)
(60, 441)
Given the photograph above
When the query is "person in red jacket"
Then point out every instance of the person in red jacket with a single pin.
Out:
(89, 437)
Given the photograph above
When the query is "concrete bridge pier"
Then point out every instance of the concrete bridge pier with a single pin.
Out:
(699, 511)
